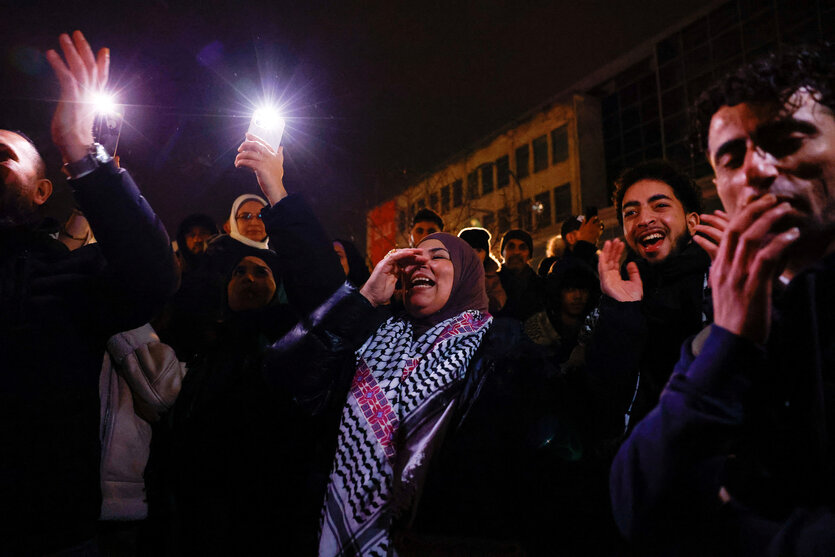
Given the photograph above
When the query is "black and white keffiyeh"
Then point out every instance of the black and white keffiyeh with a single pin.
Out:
(402, 387)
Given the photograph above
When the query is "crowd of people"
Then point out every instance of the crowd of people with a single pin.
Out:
(261, 391)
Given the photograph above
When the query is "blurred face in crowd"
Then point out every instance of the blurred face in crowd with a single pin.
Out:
(249, 220)
(573, 301)
(21, 190)
(196, 238)
(516, 255)
(343, 257)
(428, 286)
(757, 149)
(252, 285)
(655, 224)
(481, 254)
(421, 230)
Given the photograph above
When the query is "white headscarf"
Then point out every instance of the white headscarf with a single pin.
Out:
(233, 221)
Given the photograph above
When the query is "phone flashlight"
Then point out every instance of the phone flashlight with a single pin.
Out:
(268, 125)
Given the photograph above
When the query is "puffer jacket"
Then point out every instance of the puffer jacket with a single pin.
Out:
(140, 379)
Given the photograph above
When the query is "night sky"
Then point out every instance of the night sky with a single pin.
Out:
(375, 93)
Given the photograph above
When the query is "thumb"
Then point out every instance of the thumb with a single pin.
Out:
(634, 274)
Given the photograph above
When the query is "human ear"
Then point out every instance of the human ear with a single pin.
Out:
(692, 220)
(43, 190)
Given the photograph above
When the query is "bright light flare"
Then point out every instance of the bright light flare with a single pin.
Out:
(268, 118)
(104, 103)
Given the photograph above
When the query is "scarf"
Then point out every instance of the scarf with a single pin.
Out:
(399, 403)
(233, 221)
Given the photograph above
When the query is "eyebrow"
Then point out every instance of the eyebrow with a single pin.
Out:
(652, 199)
(728, 146)
(433, 250)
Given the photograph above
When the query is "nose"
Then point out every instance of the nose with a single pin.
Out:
(646, 217)
(760, 168)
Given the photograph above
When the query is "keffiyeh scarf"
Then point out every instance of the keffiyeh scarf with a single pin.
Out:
(403, 388)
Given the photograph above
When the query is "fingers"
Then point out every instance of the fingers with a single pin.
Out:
(84, 52)
(103, 67)
(254, 144)
(710, 247)
(62, 72)
(74, 61)
(752, 240)
(772, 256)
(634, 273)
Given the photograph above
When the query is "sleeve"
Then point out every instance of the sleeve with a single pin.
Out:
(140, 271)
(315, 361)
(150, 368)
(669, 470)
(311, 271)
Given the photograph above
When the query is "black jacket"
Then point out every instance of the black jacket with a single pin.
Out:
(645, 337)
(231, 449)
(57, 310)
(509, 470)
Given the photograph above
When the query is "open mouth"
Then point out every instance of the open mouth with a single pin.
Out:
(421, 282)
(652, 242)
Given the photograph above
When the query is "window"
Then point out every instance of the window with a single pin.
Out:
(472, 185)
(488, 221)
(433, 201)
(559, 145)
(486, 178)
(445, 200)
(502, 172)
(401, 222)
(542, 210)
(522, 162)
(504, 220)
(457, 193)
(421, 203)
(525, 211)
(562, 203)
(540, 153)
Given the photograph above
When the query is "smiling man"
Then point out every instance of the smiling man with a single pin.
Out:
(654, 301)
(741, 442)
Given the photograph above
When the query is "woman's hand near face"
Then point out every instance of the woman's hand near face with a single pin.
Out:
(380, 286)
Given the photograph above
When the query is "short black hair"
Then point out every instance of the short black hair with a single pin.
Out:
(40, 165)
(429, 215)
(771, 79)
(684, 188)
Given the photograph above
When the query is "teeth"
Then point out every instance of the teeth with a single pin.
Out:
(421, 282)
(652, 237)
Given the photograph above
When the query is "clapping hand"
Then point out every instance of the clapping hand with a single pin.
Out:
(611, 283)
(80, 77)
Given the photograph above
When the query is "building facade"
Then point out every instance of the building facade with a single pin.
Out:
(564, 156)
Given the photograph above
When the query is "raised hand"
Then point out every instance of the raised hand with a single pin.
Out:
(268, 165)
(750, 255)
(712, 227)
(611, 283)
(590, 230)
(379, 288)
(80, 77)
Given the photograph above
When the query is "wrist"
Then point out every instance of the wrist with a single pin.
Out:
(74, 149)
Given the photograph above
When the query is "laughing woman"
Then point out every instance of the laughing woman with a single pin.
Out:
(436, 409)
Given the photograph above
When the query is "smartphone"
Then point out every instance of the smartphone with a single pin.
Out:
(268, 127)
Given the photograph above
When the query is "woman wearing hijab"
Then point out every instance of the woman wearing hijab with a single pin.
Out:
(428, 403)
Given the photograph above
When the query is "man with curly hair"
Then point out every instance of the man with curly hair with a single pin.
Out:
(737, 458)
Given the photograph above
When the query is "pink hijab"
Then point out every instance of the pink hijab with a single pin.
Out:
(468, 290)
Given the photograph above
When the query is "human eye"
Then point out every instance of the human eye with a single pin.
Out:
(239, 271)
(629, 213)
(782, 146)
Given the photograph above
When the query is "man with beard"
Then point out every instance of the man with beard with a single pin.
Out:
(737, 458)
(655, 301)
(57, 310)
(524, 288)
